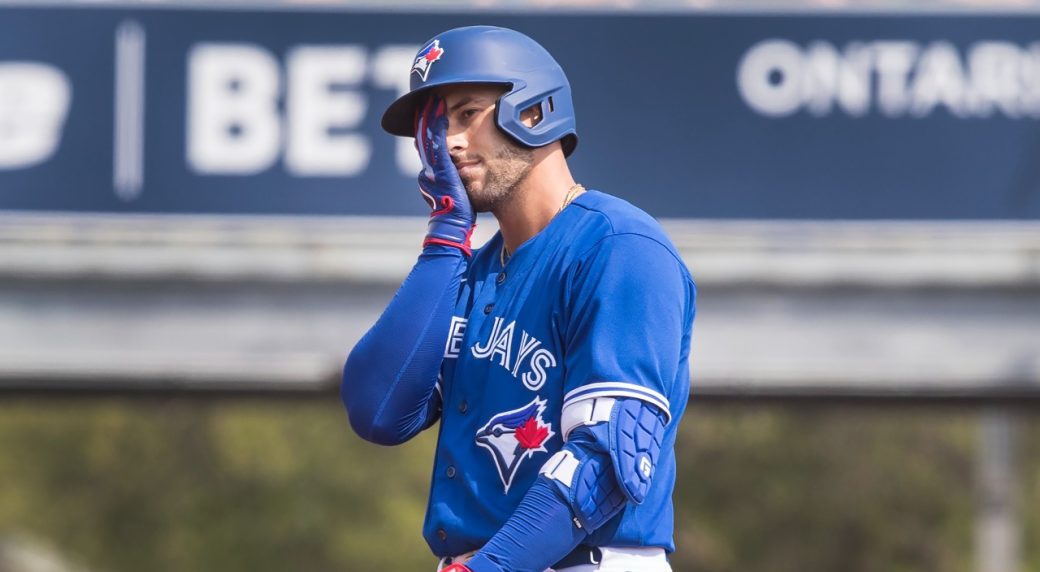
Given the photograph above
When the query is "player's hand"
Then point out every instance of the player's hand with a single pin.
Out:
(452, 219)
(456, 568)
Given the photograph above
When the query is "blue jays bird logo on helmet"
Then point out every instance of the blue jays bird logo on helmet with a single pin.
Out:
(513, 436)
(426, 57)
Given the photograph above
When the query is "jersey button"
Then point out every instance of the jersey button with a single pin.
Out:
(442, 534)
(463, 406)
(501, 278)
(450, 472)
(488, 308)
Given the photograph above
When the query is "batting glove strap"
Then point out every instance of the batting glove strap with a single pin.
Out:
(450, 231)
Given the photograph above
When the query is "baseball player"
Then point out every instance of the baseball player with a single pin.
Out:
(556, 357)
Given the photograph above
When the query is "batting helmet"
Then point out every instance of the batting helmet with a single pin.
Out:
(487, 54)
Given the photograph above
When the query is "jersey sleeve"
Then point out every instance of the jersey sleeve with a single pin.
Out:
(391, 384)
(625, 308)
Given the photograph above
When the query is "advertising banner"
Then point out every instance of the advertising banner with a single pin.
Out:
(689, 116)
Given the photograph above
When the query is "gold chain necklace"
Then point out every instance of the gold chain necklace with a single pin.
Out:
(572, 193)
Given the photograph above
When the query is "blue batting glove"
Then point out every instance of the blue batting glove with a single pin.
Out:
(452, 220)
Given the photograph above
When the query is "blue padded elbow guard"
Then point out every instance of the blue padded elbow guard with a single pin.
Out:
(635, 445)
(609, 457)
(585, 478)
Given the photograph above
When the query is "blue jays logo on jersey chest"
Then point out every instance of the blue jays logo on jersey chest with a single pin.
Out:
(513, 436)
(521, 354)
(505, 351)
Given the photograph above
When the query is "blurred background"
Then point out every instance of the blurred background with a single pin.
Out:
(199, 217)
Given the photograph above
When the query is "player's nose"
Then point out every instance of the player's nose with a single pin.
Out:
(456, 140)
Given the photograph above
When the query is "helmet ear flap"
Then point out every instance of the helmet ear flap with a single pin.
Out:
(556, 116)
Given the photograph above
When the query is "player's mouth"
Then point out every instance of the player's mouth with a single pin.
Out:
(467, 167)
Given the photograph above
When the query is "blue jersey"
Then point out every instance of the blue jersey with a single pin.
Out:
(597, 304)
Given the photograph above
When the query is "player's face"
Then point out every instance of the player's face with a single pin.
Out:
(490, 164)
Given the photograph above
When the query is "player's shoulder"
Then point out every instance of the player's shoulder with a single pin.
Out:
(608, 219)
(618, 214)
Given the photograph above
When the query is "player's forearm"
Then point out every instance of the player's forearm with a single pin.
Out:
(390, 376)
(539, 534)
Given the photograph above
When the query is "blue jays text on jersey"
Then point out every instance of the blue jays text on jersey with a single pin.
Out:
(526, 360)
(598, 304)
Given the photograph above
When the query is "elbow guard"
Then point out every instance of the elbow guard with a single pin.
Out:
(587, 482)
(610, 457)
(637, 432)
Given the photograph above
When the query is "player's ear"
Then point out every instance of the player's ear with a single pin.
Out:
(532, 115)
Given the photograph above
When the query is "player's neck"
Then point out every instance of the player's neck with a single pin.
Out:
(535, 202)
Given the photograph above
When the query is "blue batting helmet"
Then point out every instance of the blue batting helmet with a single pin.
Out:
(487, 54)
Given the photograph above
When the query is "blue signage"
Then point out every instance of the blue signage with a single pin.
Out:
(697, 116)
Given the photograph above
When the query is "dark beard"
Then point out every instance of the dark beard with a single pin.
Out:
(509, 168)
